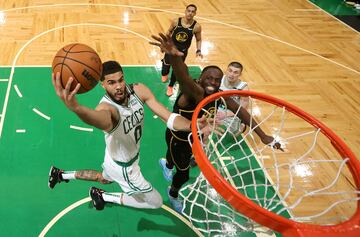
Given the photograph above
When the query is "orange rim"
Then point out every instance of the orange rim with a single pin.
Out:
(262, 216)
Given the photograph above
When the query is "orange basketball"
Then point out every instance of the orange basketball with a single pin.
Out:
(80, 62)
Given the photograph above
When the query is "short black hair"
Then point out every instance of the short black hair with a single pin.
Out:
(236, 64)
(110, 67)
(191, 5)
(210, 67)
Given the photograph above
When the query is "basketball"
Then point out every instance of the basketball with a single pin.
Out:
(80, 62)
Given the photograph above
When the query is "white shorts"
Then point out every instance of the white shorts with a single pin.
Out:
(129, 178)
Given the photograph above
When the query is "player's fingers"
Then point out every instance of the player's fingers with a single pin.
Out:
(155, 43)
(157, 38)
(68, 85)
(75, 91)
(277, 146)
(53, 79)
(57, 80)
(163, 37)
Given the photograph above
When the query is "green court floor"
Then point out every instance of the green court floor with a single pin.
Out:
(38, 132)
(336, 7)
(31, 143)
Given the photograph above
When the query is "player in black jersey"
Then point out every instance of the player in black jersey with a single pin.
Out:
(192, 92)
(182, 30)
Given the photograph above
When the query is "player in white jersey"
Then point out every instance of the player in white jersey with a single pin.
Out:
(120, 115)
(231, 81)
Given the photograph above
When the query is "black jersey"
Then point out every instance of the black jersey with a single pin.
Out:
(187, 112)
(182, 36)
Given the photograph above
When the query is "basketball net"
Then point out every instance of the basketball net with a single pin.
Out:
(311, 188)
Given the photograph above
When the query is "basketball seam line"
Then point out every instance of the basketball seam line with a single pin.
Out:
(75, 77)
(62, 64)
(75, 60)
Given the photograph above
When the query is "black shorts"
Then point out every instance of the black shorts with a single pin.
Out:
(180, 151)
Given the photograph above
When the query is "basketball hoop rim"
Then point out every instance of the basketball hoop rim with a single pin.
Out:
(285, 226)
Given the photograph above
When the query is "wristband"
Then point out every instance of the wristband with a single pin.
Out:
(198, 51)
(170, 121)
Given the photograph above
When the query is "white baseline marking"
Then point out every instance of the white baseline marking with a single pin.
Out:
(18, 91)
(146, 8)
(81, 128)
(87, 199)
(38, 36)
(307, 10)
(41, 114)
(20, 130)
(203, 18)
(338, 20)
(123, 65)
(62, 213)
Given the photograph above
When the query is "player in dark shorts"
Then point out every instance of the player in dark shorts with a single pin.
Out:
(182, 30)
(192, 92)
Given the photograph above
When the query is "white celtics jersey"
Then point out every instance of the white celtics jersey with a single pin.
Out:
(241, 86)
(123, 141)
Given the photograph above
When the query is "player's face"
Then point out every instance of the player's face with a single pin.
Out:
(233, 74)
(210, 80)
(190, 12)
(114, 84)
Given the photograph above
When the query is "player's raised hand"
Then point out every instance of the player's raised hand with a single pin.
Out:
(165, 43)
(199, 54)
(67, 96)
(269, 140)
(208, 126)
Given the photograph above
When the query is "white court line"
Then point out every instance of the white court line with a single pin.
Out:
(307, 10)
(25, 66)
(88, 199)
(203, 18)
(38, 36)
(41, 114)
(63, 213)
(338, 20)
(4, 80)
(123, 65)
(81, 128)
(18, 91)
(21, 130)
(146, 8)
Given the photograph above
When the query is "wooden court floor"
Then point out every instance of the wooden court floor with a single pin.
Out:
(290, 49)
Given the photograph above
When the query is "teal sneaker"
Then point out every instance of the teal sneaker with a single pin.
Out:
(168, 173)
(176, 203)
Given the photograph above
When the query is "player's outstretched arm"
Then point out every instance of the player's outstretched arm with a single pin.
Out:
(197, 32)
(145, 94)
(246, 118)
(187, 85)
(102, 117)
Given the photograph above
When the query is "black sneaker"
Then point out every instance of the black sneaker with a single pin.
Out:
(96, 196)
(55, 177)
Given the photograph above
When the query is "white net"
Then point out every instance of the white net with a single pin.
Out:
(308, 182)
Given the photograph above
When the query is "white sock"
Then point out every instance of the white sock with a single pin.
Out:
(113, 197)
(68, 175)
(150, 200)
